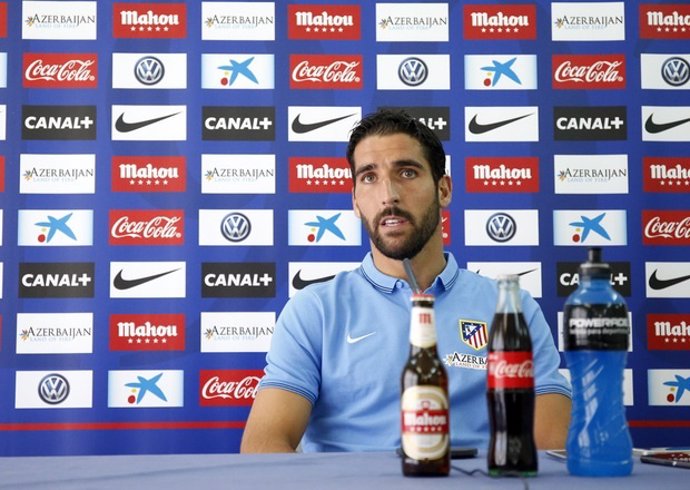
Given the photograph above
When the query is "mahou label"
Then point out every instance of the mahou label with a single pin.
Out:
(425, 422)
(510, 370)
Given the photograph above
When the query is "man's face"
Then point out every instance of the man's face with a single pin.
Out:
(395, 195)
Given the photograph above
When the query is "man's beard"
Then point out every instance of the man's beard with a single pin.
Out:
(417, 239)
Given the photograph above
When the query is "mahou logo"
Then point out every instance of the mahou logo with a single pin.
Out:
(669, 331)
(670, 21)
(3, 19)
(320, 174)
(312, 22)
(666, 174)
(150, 20)
(483, 22)
(605, 71)
(154, 227)
(2, 174)
(666, 227)
(60, 70)
(502, 174)
(325, 71)
(228, 387)
(142, 332)
(149, 174)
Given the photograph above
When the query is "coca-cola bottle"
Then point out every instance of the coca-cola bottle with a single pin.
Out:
(510, 386)
(424, 402)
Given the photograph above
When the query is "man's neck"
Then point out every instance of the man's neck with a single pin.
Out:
(426, 265)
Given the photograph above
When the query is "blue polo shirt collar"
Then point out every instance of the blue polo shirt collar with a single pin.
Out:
(388, 284)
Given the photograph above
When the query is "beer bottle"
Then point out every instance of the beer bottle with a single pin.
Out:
(424, 403)
(510, 383)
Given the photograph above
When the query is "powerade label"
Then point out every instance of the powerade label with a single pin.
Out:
(595, 327)
(425, 422)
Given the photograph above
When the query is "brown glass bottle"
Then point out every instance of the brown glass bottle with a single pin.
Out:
(425, 421)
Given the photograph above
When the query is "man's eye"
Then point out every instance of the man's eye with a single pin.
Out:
(408, 173)
(368, 178)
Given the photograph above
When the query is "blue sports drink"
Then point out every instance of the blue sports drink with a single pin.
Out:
(595, 334)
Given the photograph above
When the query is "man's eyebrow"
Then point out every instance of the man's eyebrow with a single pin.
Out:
(398, 163)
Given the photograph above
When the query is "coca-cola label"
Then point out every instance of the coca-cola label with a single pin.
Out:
(319, 175)
(148, 174)
(669, 21)
(668, 331)
(666, 174)
(425, 422)
(500, 21)
(325, 21)
(324, 71)
(150, 20)
(596, 327)
(581, 72)
(146, 227)
(60, 70)
(502, 174)
(510, 370)
(666, 227)
(147, 332)
(228, 387)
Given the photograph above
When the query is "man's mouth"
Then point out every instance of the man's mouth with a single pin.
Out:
(392, 221)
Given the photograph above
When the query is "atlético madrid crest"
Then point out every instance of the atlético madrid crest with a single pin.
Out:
(474, 333)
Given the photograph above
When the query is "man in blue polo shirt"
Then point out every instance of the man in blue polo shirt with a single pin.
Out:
(333, 371)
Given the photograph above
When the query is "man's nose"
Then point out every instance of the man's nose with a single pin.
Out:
(391, 194)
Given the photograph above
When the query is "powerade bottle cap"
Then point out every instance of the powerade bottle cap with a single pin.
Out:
(594, 268)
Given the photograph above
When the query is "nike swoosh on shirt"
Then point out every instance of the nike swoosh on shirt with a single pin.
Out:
(354, 340)
(477, 128)
(126, 127)
(654, 128)
(300, 128)
(518, 274)
(120, 283)
(656, 283)
(299, 283)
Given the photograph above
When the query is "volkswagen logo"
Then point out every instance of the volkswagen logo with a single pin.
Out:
(675, 71)
(235, 227)
(53, 389)
(501, 227)
(412, 72)
(149, 70)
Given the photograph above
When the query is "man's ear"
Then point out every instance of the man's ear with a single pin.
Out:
(354, 205)
(445, 191)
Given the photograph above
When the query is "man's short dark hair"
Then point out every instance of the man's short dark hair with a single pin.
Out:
(386, 122)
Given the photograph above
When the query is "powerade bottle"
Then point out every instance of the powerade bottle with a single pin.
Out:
(595, 334)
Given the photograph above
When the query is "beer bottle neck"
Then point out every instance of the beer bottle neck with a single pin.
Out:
(422, 327)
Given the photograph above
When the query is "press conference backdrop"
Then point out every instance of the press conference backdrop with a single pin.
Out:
(171, 173)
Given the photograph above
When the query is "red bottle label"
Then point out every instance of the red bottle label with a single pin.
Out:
(510, 370)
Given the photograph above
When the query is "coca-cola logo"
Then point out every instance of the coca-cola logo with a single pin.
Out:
(228, 387)
(146, 227)
(60, 70)
(589, 71)
(510, 370)
(325, 71)
(666, 227)
(504, 369)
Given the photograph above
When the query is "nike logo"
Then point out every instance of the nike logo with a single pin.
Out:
(652, 127)
(126, 127)
(120, 283)
(518, 274)
(477, 128)
(299, 283)
(656, 283)
(354, 340)
(300, 128)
